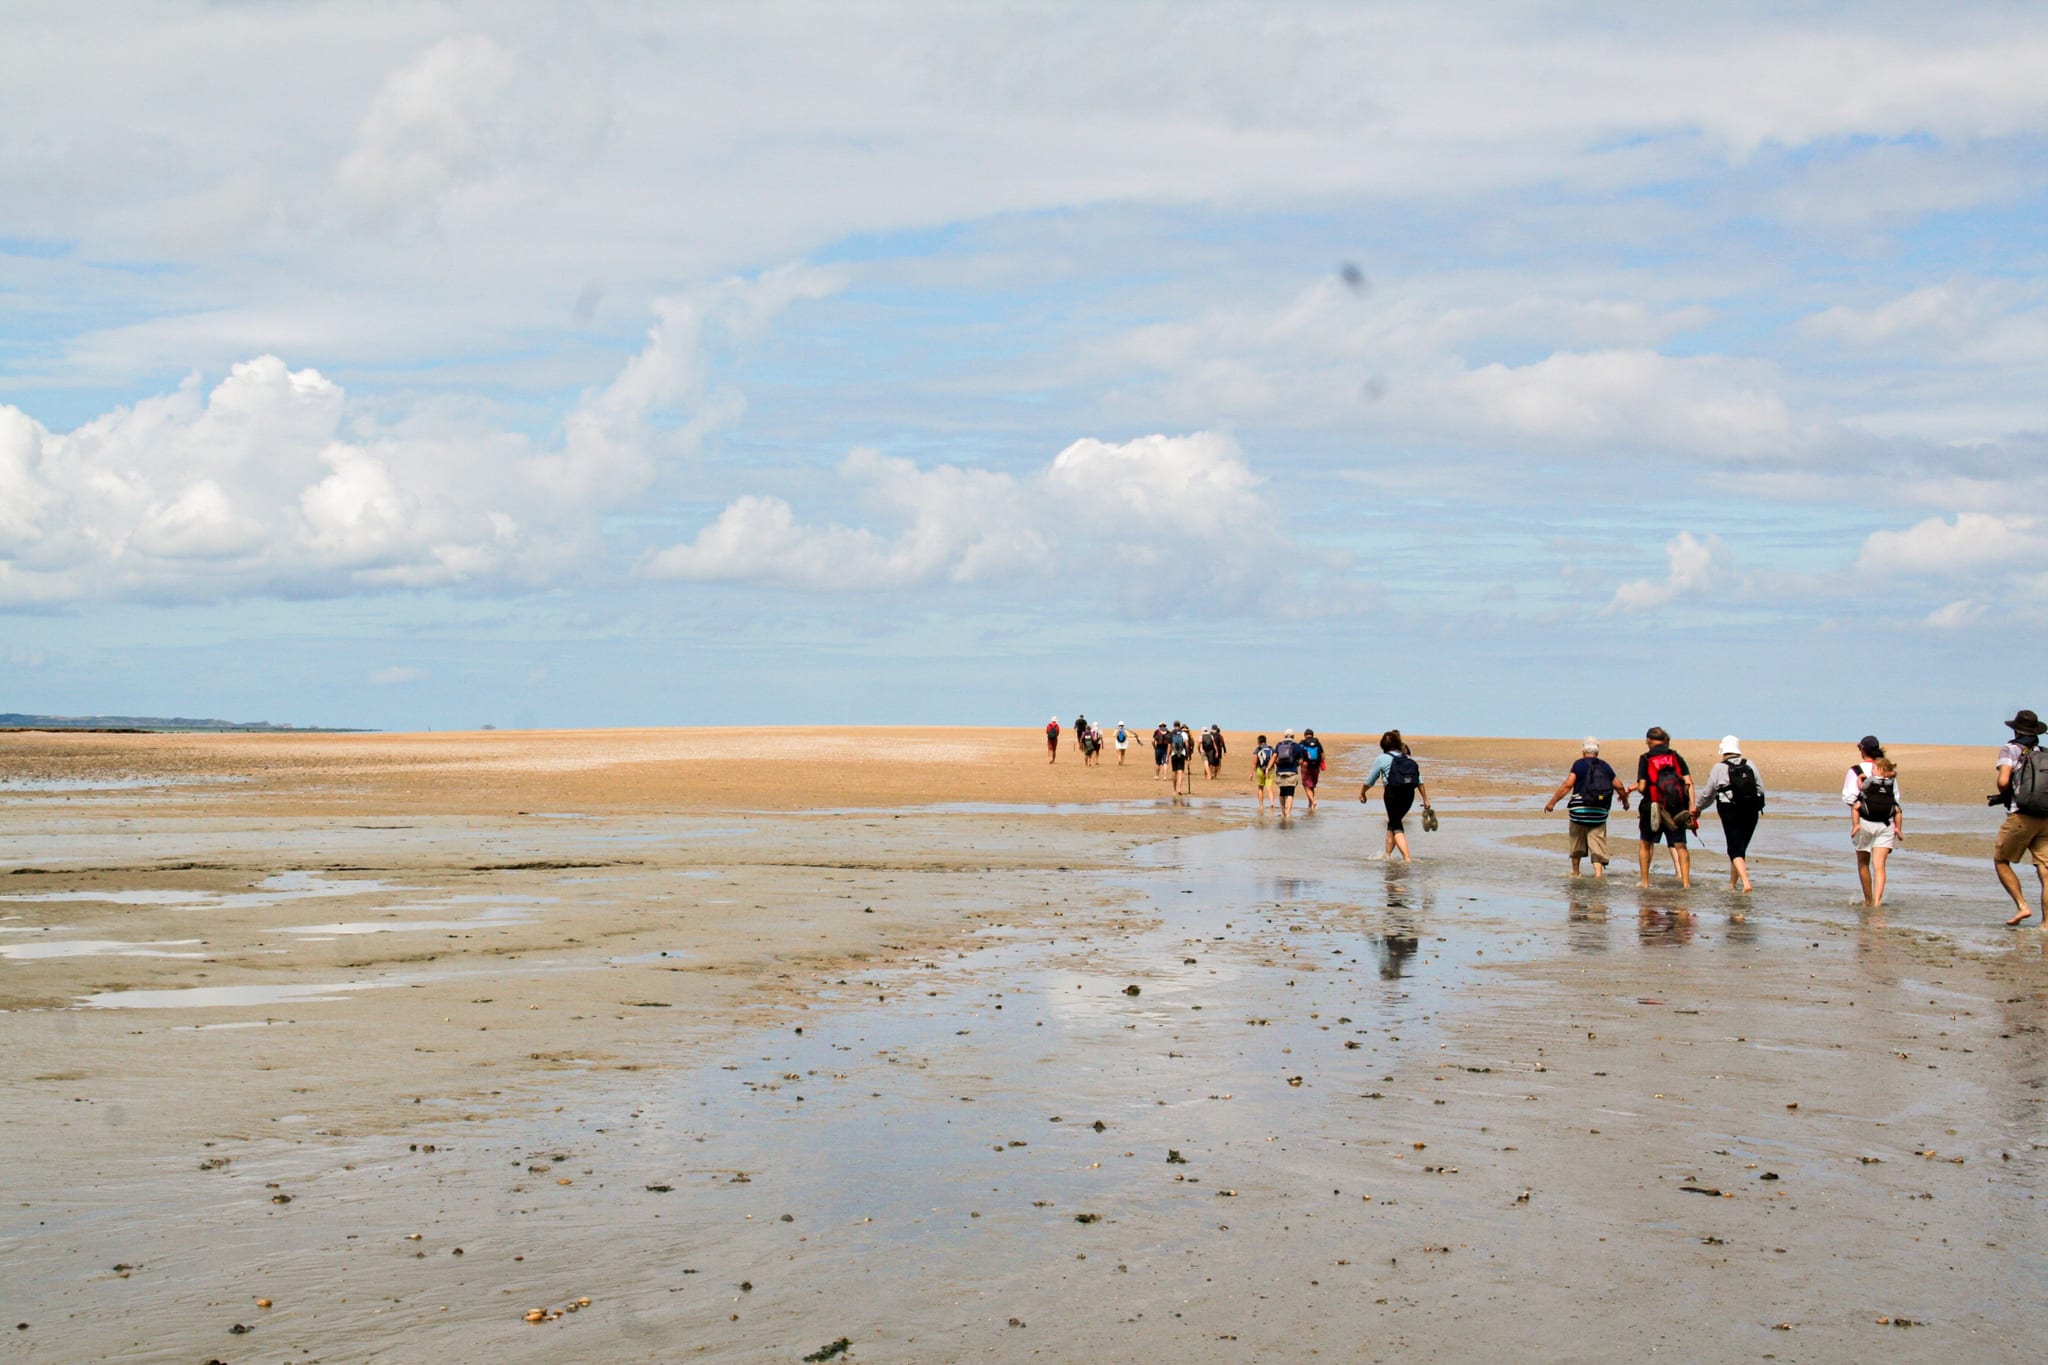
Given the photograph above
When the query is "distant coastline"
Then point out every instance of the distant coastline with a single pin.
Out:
(147, 725)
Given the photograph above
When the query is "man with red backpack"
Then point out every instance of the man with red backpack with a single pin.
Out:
(1666, 786)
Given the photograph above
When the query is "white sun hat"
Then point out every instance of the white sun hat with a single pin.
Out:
(1730, 744)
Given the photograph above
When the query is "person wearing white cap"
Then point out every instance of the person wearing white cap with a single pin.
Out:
(1286, 771)
(1052, 740)
(1591, 784)
(1736, 794)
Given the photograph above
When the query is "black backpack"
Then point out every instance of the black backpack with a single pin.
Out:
(1404, 772)
(1879, 801)
(2030, 782)
(1744, 791)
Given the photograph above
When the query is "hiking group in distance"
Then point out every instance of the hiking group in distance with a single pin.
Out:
(1670, 808)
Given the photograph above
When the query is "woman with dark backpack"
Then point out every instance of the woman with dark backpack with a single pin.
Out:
(1397, 768)
(1736, 794)
(1876, 819)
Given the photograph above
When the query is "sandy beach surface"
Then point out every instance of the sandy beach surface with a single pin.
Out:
(906, 1045)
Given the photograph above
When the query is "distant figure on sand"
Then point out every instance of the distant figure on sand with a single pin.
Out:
(1397, 768)
(1262, 772)
(1667, 810)
(1180, 754)
(1313, 756)
(1052, 740)
(1161, 741)
(1213, 749)
(1735, 793)
(1286, 771)
(1876, 820)
(1591, 784)
(2023, 790)
(1123, 741)
(1081, 736)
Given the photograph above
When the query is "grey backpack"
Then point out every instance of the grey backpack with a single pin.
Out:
(2030, 782)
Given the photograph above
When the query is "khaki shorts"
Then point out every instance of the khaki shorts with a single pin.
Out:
(1589, 839)
(2021, 836)
(1869, 835)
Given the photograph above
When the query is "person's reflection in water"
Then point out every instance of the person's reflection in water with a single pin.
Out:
(1586, 925)
(1394, 948)
(1662, 926)
(1402, 939)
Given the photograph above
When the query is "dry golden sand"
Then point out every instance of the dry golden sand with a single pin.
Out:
(548, 997)
(807, 767)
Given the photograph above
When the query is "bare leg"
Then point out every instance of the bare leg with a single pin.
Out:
(1399, 839)
(1644, 850)
(1575, 866)
(1877, 857)
(1738, 873)
(1681, 858)
(1863, 875)
(2010, 880)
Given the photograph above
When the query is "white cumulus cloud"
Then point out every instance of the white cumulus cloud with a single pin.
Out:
(1157, 517)
(1971, 542)
(1693, 565)
(264, 484)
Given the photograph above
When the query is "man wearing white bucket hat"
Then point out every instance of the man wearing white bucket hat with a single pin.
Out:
(1736, 794)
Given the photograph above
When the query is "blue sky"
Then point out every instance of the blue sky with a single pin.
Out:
(1522, 369)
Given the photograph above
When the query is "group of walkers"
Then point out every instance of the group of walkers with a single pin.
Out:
(1279, 769)
(1671, 801)
(1174, 747)
(1672, 804)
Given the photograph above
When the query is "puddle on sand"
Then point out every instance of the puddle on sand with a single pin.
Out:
(159, 897)
(94, 947)
(275, 889)
(199, 997)
(658, 956)
(504, 910)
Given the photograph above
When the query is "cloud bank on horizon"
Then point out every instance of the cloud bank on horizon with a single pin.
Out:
(1369, 313)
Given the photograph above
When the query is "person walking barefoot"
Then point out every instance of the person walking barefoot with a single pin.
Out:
(1666, 786)
(1262, 772)
(1286, 772)
(2023, 790)
(1052, 740)
(1397, 768)
(1735, 793)
(1876, 821)
(1591, 784)
(1313, 757)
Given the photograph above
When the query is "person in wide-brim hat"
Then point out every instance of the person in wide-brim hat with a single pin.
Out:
(2025, 831)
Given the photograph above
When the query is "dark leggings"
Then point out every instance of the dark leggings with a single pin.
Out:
(1399, 799)
(1737, 826)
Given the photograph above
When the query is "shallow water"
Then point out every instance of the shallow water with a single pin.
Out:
(1362, 1070)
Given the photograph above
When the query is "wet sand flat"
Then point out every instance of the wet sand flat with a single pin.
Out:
(913, 1040)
